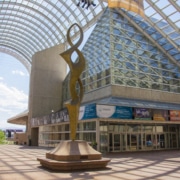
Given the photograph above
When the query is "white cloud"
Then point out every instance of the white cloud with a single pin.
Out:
(4, 110)
(12, 102)
(13, 78)
(19, 73)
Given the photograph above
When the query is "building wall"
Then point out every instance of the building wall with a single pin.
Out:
(20, 138)
(47, 74)
(121, 62)
(131, 93)
(145, 94)
(97, 94)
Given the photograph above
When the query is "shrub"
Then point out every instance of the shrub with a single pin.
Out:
(2, 137)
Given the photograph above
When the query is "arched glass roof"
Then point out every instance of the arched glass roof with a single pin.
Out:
(27, 26)
(164, 19)
(30, 26)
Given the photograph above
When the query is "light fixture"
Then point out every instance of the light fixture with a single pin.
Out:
(86, 3)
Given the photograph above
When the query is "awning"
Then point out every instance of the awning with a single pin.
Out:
(138, 103)
(20, 119)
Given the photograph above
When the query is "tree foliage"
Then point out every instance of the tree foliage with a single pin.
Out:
(2, 137)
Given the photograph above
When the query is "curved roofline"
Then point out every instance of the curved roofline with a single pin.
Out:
(38, 12)
(34, 39)
(10, 47)
(20, 58)
(44, 24)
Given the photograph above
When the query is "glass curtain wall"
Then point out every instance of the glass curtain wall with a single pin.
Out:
(136, 61)
(51, 135)
(97, 54)
(116, 137)
(117, 53)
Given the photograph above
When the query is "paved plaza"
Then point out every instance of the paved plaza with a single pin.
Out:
(19, 163)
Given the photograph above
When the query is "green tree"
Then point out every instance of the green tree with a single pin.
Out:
(2, 137)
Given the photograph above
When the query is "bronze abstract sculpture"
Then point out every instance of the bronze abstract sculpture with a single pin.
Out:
(74, 154)
(76, 68)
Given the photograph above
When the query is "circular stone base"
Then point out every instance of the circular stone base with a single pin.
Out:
(73, 155)
(73, 151)
(73, 165)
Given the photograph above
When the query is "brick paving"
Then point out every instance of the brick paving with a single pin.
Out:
(19, 163)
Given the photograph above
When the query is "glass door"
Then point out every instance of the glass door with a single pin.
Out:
(155, 141)
(123, 142)
(116, 142)
(149, 141)
(161, 140)
(132, 142)
(173, 140)
(110, 142)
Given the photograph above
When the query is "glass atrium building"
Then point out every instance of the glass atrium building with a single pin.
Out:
(119, 56)
(118, 53)
(131, 80)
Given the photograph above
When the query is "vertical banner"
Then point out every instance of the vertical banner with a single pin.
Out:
(131, 5)
(174, 115)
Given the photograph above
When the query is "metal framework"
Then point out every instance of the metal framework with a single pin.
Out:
(29, 26)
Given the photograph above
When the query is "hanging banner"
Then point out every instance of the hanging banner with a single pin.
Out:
(87, 112)
(131, 5)
(105, 111)
(142, 114)
(160, 115)
(174, 115)
(60, 116)
(53, 118)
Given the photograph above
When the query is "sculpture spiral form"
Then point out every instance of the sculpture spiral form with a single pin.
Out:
(76, 68)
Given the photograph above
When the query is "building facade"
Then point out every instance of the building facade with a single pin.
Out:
(132, 90)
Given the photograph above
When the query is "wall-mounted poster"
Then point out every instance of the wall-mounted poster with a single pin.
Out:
(120, 112)
(46, 119)
(142, 114)
(174, 115)
(105, 111)
(53, 118)
(61, 116)
(87, 112)
(160, 115)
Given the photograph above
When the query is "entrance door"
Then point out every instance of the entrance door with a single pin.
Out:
(161, 140)
(116, 142)
(110, 142)
(132, 142)
(148, 141)
(34, 137)
(173, 140)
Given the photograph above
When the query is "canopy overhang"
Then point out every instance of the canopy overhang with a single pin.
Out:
(20, 119)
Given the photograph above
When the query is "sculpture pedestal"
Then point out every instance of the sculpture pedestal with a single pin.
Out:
(73, 155)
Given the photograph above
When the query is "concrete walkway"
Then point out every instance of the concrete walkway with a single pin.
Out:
(19, 163)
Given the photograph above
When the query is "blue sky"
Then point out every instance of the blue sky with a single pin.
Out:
(14, 89)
